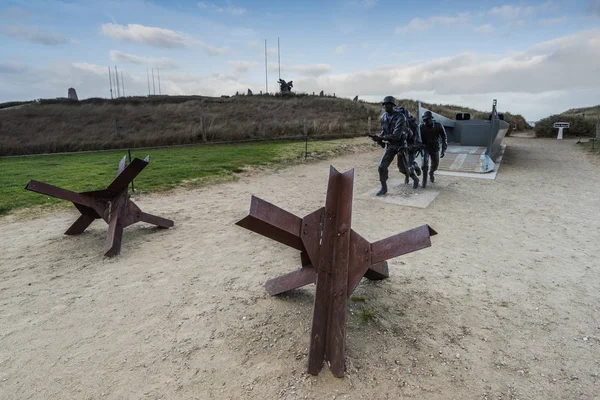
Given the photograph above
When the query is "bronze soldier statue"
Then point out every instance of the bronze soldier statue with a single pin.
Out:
(285, 87)
(414, 143)
(394, 136)
(432, 132)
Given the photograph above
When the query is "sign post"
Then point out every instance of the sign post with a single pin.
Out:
(561, 126)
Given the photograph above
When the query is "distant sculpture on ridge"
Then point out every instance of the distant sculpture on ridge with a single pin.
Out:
(285, 87)
(72, 94)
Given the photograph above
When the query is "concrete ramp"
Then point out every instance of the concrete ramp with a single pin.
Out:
(470, 159)
(470, 162)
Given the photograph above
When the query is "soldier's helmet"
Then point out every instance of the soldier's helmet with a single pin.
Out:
(427, 115)
(388, 99)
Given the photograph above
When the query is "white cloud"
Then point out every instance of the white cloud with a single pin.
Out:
(91, 68)
(303, 70)
(546, 78)
(33, 34)
(486, 29)
(341, 49)
(224, 77)
(158, 37)
(511, 12)
(212, 50)
(229, 9)
(549, 66)
(312, 69)
(239, 66)
(421, 25)
(520, 23)
(91, 80)
(150, 35)
(552, 21)
(259, 45)
(551, 6)
(161, 62)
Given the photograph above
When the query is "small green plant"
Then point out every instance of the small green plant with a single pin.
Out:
(357, 299)
(367, 315)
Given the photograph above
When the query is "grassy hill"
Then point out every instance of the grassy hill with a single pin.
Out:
(582, 121)
(62, 125)
(586, 112)
(517, 122)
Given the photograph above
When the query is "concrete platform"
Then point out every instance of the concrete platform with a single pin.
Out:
(469, 162)
(403, 195)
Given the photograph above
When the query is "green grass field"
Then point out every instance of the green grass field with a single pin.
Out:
(168, 168)
(588, 146)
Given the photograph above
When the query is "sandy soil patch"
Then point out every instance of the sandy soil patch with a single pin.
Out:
(504, 305)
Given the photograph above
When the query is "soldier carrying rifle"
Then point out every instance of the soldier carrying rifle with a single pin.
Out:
(394, 137)
(432, 133)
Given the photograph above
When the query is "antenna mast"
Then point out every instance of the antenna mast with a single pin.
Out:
(266, 75)
(153, 86)
(148, 76)
(122, 83)
(158, 71)
(117, 80)
(110, 82)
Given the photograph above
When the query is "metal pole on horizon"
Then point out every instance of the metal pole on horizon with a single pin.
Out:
(278, 58)
(158, 72)
(110, 82)
(148, 76)
(266, 75)
(122, 83)
(153, 86)
(117, 80)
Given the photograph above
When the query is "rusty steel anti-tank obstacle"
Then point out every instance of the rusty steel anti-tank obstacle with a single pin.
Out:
(112, 204)
(334, 257)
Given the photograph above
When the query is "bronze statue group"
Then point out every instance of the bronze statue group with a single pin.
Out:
(401, 137)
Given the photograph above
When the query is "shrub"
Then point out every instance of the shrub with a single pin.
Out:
(579, 126)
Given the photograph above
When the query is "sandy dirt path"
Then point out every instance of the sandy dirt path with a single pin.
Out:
(504, 305)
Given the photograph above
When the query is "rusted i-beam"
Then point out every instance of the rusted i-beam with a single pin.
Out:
(112, 204)
(334, 257)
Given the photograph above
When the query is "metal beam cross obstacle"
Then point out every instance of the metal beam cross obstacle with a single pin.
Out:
(334, 257)
(112, 204)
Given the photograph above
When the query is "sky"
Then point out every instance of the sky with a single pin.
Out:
(536, 58)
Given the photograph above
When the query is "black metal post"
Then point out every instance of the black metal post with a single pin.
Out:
(305, 141)
(132, 187)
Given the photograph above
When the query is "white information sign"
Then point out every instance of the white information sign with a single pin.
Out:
(560, 126)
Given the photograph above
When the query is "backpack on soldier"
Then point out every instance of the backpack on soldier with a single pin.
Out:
(410, 121)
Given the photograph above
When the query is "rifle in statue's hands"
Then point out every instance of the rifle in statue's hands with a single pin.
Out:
(416, 148)
(378, 139)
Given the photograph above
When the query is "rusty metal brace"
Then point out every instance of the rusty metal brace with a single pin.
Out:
(112, 204)
(334, 257)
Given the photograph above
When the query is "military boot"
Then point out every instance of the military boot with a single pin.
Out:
(406, 179)
(417, 168)
(431, 177)
(383, 189)
(424, 177)
(415, 180)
